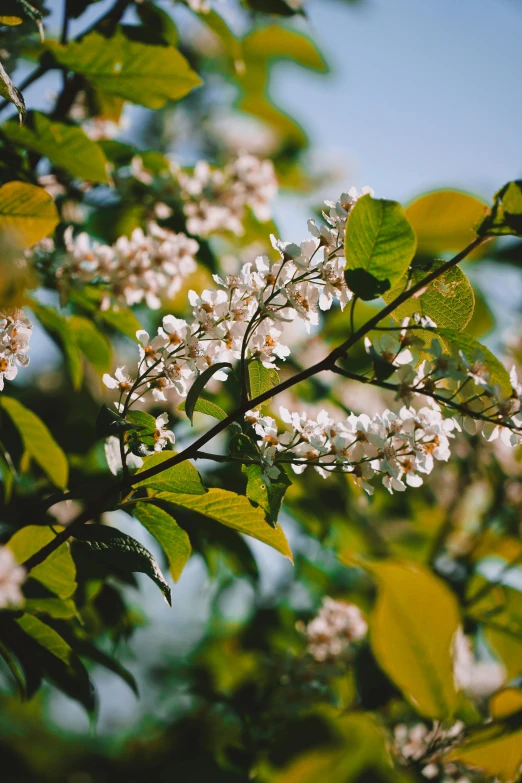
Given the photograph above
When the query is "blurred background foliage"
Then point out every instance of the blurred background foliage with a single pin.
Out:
(228, 690)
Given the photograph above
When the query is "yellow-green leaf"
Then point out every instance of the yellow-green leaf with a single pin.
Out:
(149, 75)
(57, 572)
(494, 750)
(38, 441)
(261, 379)
(91, 342)
(412, 631)
(67, 146)
(449, 300)
(180, 478)
(27, 215)
(234, 511)
(173, 539)
(505, 702)
(444, 221)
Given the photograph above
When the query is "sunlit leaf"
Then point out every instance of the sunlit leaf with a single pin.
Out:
(506, 214)
(38, 441)
(505, 702)
(494, 750)
(57, 572)
(173, 539)
(67, 146)
(208, 407)
(475, 351)
(449, 300)
(27, 215)
(379, 246)
(182, 478)
(412, 631)
(261, 379)
(445, 221)
(234, 511)
(148, 75)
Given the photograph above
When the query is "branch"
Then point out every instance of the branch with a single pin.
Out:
(328, 363)
(448, 402)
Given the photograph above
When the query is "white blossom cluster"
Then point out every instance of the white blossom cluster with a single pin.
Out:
(12, 577)
(423, 745)
(246, 314)
(399, 447)
(337, 626)
(147, 266)
(96, 128)
(215, 199)
(15, 332)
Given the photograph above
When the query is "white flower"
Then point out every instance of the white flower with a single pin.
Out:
(476, 678)
(335, 629)
(12, 577)
(162, 435)
(15, 333)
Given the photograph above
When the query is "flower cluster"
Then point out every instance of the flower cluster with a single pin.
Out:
(447, 377)
(216, 199)
(148, 266)
(397, 446)
(15, 332)
(423, 746)
(12, 576)
(244, 317)
(337, 626)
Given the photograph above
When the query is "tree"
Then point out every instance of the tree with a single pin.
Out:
(409, 665)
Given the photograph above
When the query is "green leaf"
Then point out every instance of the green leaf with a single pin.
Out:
(449, 300)
(412, 631)
(62, 609)
(205, 406)
(123, 552)
(38, 441)
(57, 572)
(261, 379)
(506, 214)
(268, 496)
(495, 750)
(234, 511)
(379, 246)
(58, 660)
(59, 328)
(173, 539)
(141, 439)
(67, 146)
(182, 478)
(12, 665)
(198, 386)
(148, 75)
(122, 319)
(92, 343)
(444, 221)
(27, 215)
(87, 650)
(475, 351)
(12, 93)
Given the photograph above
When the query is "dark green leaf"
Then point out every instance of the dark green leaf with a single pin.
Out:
(12, 93)
(198, 386)
(124, 552)
(506, 214)
(267, 495)
(173, 539)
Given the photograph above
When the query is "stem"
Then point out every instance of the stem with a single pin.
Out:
(328, 363)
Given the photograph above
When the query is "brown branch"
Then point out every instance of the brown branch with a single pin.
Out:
(328, 363)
